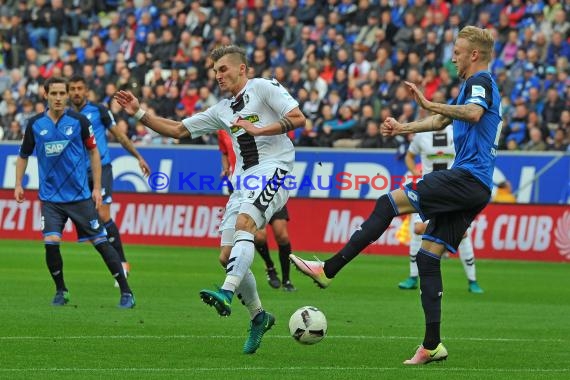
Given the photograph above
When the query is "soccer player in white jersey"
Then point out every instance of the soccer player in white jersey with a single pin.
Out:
(437, 152)
(258, 116)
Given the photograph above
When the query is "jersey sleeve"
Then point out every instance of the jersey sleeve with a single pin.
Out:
(203, 123)
(28, 143)
(276, 96)
(107, 118)
(87, 134)
(478, 90)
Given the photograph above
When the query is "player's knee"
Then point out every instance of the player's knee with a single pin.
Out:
(419, 228)
(282, 239)
(52, 239)
(245, 222)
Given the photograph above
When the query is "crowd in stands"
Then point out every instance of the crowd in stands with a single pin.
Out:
(344, 60)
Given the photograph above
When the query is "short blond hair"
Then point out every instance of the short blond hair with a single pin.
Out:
(480, 39)
(238, 54)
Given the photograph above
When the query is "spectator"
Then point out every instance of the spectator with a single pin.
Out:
(535, 142)
(14, 133)
(559, 143)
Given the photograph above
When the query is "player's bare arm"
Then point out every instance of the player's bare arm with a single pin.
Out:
(161, 125)
(95, 159)
(468, 112)
(21, 165)
(410, 160)
(391, 127)
(130, 147)
(292, 120)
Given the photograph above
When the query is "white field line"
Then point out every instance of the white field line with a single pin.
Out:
(329, 337)
(304, 369)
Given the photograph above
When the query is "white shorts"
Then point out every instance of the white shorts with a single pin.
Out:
(257, 193)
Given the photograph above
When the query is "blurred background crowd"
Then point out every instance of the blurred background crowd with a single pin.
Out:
(344, 60)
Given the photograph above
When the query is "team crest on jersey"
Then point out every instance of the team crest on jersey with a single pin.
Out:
(69, 130)
(88, 116)
(94, 224)
(54, 148)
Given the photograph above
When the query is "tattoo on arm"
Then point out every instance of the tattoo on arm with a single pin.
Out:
(286, 125)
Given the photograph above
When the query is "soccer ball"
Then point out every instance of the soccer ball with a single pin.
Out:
(308, 325)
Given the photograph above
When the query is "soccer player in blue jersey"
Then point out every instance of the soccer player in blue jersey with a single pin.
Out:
(65, 146)
(102, 121)
(450, 198)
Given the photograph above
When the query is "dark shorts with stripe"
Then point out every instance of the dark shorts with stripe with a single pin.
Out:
(82, 213)
(106, 183)
(450, 199)
(282, 214)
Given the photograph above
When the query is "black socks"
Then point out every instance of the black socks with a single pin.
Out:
(431, 285)
(263, 251)
(115, 239)
(55, 265)
(284, 252)
(111, 258)
(369, 232)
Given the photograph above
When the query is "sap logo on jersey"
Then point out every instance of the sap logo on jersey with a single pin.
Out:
(54, 148)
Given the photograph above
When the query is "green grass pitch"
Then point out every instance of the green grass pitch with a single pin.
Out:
(518, 329)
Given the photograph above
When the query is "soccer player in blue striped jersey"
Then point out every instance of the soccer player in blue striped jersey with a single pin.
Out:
(449, 198)
(102, 121)
(65, 147)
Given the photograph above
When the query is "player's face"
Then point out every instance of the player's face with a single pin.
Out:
(77, 93)
(229, 74)
(462, 56)
(57, 97)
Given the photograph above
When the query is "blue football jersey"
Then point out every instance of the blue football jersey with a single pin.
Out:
(61, 149)
(476, 144)
(101, 119)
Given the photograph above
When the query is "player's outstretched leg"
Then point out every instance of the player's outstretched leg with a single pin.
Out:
(259, 325)
(313, 269)
(372, 228)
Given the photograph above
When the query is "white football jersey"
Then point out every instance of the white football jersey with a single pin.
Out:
(262, 102)
(436, 149)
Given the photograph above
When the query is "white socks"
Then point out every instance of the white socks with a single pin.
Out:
(467, 257)
(240, 260)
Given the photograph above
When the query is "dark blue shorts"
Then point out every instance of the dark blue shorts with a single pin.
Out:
(450, 199)
(106, 183)
(83, 215)
(282, 214)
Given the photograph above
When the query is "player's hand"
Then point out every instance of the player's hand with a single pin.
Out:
(144, 167)
(225, 173)
(390, 127)
(19, 194)
(417, 94)
(249, 127)
(128, 101)
(97, 198)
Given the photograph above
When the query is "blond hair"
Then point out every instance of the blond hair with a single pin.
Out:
(237, 53)
(479, 39)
